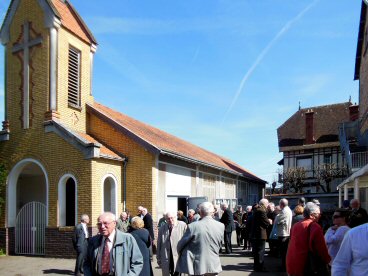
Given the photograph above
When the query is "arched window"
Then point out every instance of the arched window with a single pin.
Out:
(109, 194)
(67, 200)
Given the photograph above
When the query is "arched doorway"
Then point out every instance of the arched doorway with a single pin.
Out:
(28, 185)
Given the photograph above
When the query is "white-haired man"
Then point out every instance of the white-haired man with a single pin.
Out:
(283, 225)
(259, 233)
(358, 215)
(168, 237)
(112, 252)
(200, 246)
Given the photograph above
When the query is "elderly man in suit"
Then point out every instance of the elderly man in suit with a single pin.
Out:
(80, 243)
(168, 237)
(228, 220)
(112, 252)
(259, 233)
(200, 246)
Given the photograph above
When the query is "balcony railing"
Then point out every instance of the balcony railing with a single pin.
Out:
(359, 160)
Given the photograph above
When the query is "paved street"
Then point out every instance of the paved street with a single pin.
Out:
(238, 263)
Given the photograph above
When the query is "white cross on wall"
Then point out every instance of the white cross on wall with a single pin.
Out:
(25, 46)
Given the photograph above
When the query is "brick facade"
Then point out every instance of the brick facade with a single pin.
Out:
(363, 77)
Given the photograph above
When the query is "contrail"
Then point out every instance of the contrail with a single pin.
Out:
(262, 55)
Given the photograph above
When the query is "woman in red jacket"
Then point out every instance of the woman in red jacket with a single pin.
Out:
(297, 254)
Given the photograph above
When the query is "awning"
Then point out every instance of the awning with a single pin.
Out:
(350, 180)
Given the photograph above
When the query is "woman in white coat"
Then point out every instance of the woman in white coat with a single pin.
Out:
(168, 237)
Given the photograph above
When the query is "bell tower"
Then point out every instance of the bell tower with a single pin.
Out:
(48, 63)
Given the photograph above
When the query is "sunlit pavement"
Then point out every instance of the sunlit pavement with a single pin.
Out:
(238, 263)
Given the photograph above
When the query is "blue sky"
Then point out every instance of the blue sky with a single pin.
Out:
(222, 74)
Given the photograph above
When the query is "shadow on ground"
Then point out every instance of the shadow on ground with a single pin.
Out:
(58, 271)
(238, 267)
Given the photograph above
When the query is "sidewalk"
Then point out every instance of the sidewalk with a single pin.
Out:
(238, 263)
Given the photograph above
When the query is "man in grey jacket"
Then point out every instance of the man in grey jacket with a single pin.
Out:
(112, 252)
(200, 246)
(168, 237)
(283, 229)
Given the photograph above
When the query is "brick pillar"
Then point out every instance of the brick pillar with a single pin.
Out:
(309, 127)
(354, 112)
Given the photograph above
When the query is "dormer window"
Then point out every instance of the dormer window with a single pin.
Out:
(74, 78)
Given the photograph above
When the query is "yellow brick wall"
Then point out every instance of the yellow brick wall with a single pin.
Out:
(31, 11)
(65, 40)
(141, 178)
(101, 168)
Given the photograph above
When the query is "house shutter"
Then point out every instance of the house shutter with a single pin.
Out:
(74, 77)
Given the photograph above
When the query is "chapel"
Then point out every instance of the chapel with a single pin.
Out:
(68, 155)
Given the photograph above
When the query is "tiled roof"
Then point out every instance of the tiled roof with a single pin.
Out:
(326, 120)
(166, 143)
(71, 20)
(104, 151)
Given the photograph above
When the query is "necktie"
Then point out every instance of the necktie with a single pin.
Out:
(105, 263)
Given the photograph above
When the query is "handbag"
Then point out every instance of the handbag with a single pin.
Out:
(273, 234)
(314, 265)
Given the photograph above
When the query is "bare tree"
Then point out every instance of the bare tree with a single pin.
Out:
(293, 179)
(325, 173)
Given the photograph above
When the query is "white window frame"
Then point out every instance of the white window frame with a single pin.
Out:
(113, 195)
(61, 199)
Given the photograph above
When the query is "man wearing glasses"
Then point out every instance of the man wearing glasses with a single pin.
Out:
(112, 252)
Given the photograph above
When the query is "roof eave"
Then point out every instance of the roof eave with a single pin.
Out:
(310, 146)
(84, 25)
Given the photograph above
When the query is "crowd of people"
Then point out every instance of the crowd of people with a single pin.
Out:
(191, 245)
(303, 238)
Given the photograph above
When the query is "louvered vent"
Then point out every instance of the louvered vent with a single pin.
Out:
(74, 77)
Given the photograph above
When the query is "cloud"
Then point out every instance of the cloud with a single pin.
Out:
(261, 56)
(196, 53)
(122, 65)
(309, 86)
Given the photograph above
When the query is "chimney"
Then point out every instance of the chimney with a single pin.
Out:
(309, 127)
(354, 112)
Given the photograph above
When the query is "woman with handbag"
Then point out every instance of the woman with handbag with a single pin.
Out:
(307, 253)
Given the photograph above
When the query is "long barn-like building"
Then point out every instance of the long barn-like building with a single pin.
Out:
(67, 154)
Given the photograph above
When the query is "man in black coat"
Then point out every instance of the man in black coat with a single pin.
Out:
(259, 233)
(148, 224)
(80, 243)
(228, 221)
